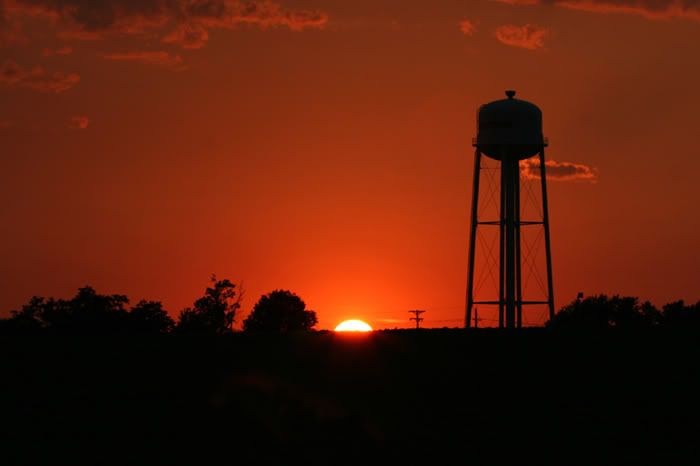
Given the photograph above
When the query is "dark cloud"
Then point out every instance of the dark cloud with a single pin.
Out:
(99, 15)
(558, 171)
(188, 36)
(10, 31)
(184, 22)
(652, 9)
(38, 79)
(526, 37)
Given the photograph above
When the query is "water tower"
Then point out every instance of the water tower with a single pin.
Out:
(509, 131)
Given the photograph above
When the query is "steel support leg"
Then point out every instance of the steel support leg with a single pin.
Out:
(502, 239)
(472, 239)
(547, 240)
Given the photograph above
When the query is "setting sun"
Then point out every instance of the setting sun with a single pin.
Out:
(353, 326)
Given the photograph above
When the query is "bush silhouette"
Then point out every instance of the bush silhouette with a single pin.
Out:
(278, 312)
(214, 313)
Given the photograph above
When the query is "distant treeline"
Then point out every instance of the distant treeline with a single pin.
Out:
(215, 313)
(624, 312)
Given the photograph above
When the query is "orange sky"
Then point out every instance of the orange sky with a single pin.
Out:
(324, 147)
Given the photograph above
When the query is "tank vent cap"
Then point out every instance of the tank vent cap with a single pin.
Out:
(510, 94)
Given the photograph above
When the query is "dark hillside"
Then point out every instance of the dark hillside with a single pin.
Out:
(414, 397)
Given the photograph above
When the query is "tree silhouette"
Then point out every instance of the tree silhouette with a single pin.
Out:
(27, 320)
(149, 317)
(214, 313)
(86, 313)
(89, 312)
(280, 311)
(601, 312)
(678, 314)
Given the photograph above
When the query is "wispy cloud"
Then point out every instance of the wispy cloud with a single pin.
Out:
(79, 122)
(37, 78)
(528, 37)
(66, 50)
(156, 58)
(651, 9)
(392, 321)
(559, 171)
(467, 27)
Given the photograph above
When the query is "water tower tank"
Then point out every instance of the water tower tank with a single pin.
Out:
(510, 129)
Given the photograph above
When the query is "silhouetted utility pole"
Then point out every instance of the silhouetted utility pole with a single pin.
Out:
(476, 317)
(417, 317)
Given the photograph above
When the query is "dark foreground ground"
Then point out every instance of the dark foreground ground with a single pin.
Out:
(430, 397)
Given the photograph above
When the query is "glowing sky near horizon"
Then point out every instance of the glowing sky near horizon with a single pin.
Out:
(324, 147)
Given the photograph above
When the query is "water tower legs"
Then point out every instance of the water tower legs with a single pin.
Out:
(518, 263)
(510, 293)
